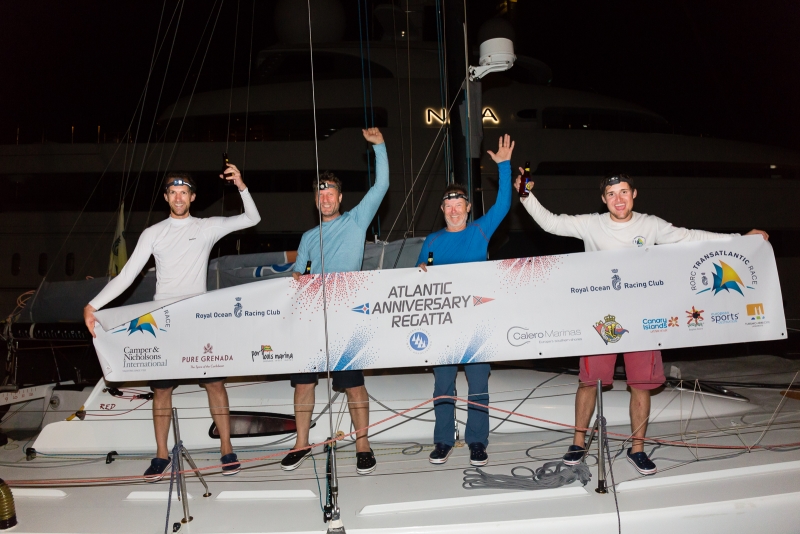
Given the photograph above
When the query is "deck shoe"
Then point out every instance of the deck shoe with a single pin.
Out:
(293, 460)
(642, 463)
(365, 462)
(440, 453)
(477, 454)
(233, 468)
(158, 468)
(574, 455)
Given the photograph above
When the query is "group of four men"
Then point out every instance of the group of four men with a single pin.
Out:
(181, 245)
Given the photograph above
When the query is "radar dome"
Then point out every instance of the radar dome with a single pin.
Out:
(327, 21)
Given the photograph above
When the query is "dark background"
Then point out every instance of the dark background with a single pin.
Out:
(721, 68)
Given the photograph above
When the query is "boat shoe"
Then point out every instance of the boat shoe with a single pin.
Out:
(642, 463)
(440, 454)
(477, 454)
(293, 460)
(159, 467)
(365, 462)
(574, 455)
(233, 466)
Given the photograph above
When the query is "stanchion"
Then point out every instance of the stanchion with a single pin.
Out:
(335, 525)
(183, 453)
(601, 441)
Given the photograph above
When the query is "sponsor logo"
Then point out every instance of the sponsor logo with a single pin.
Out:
(695, 317)
(266, 354)
(208, 359)
(731, 272)
(616, 281)
(362, 308)
(142, 357)
(724, 317)
(477, 301)
(145, 323)
(418, 341)
(639, 241)
(208, 349)
(657, 324)
(518, 336)
(673, 321)
(238, 312)
(755, 315)
(609, 329)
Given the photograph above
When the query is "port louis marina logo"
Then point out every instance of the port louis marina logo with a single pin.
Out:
(421, 305)
(237, 312)
(609, 329)
(266, 354)
(729, 271)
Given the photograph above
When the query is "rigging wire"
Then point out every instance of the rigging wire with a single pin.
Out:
(249, 76)
(233, 72)
(367, 123)
(410, 124)
(399, 111)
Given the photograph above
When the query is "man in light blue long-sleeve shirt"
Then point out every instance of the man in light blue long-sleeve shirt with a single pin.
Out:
(462, 242)
(343, 250)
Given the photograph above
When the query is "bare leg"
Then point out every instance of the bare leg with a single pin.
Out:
(358, 403)
(303, 409)
(585, 399)
(162, 416)
(640, 413)
(220, 412)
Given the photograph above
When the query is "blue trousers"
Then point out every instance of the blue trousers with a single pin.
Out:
(477, 417)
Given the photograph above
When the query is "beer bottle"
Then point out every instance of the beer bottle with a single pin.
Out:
(525, 183)
(308, 267)
(430, 259)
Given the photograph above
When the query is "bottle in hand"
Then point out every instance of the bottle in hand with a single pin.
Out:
(308, 267)
(526, 183)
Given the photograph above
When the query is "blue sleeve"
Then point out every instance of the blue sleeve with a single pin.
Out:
(489, 222)
(368, 207)
(423, 253)
(302, 256)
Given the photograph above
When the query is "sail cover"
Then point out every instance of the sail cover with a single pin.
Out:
(647, 298)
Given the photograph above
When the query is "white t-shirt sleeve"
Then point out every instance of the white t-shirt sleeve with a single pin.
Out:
(219, 227)
(564, 225)
(134, 265)
(667, 233)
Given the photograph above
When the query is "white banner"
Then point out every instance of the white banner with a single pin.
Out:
(651, 298)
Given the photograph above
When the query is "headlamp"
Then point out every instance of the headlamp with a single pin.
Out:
(179, 181)
(616, 179)
(327, 185)
(454, 195)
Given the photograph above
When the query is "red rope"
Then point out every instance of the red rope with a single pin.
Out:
(48, 482)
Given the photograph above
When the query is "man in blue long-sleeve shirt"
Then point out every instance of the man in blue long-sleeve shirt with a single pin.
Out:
(343, 250)
(460, 242)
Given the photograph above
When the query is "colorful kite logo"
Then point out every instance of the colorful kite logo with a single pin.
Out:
(725, 277)
(145, 323)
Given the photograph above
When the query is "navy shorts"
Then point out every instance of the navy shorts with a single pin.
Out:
(341, 379)
(167, 384)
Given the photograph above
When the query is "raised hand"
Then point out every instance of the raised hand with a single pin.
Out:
(373, 135)
(505, 146)
(234, 175)
(89, 319)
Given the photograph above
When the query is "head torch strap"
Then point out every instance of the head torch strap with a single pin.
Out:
(179, 181)
(453, 195)
(327, 185)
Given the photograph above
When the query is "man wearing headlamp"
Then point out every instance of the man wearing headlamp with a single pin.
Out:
(621, 227)
(181, 245)
(462, 242)
(343, 248)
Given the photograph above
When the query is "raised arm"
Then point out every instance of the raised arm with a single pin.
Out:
(565, 225)
(121, 282)
(497, 213)
(222, 226)
(368, 207)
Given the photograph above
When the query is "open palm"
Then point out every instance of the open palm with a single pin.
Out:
(505, 146)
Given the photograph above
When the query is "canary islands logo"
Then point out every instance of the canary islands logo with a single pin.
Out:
(609, 329)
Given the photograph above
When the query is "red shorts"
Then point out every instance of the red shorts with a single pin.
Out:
(644, 370)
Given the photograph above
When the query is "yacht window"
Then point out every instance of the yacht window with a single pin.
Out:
(288, 125)
(295, 66)
(69, 264)
(257, 424)
(603, 119)
(15, 262)
(43, 264)
(526, 114)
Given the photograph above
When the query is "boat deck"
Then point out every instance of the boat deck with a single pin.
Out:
(697, 489)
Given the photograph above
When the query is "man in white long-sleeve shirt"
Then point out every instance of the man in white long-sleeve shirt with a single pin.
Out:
(181, 245)
(621, 227)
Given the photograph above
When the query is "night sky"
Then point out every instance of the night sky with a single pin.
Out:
(727, 69)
